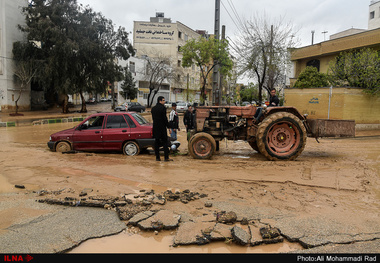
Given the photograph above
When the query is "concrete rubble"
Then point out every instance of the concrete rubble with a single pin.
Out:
(136, 211)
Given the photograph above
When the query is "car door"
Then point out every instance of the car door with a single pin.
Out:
(134, 131)
(116, 132)
(88, 136)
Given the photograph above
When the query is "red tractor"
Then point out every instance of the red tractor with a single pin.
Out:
(279, 133)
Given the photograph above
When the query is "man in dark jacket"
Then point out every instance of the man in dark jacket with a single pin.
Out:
(273, 101)
(188, 120)
(160, 126)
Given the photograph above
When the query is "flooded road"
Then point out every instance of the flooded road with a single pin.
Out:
(337, 178)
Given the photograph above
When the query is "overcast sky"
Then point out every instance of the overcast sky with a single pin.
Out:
(306, 15)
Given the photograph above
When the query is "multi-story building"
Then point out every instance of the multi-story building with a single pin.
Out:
(10, 18)
(374, 15)
(162, 38)
(138, 66)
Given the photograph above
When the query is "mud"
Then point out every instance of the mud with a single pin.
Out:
(335, 179)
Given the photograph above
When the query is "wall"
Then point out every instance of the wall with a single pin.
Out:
(346, 104)
(10, 17)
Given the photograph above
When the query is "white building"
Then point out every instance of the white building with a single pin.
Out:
(374, 15)
(161, 37)
(138, 68)
(10, 18)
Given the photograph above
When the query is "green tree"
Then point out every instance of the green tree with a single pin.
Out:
(206, 54)
(77, 48)
(357, 68)
(128, 86)
(250, 93)
(311, 78)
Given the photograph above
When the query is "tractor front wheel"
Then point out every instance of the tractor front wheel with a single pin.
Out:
(202, 146)
(281, 136)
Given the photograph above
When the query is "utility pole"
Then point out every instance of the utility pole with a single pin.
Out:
(215, 84)
(324, 34)
(221, 77)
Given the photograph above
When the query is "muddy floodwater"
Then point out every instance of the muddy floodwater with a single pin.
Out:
(337, 178)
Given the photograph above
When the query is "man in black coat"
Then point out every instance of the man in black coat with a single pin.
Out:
(160, 126)
(188, 120)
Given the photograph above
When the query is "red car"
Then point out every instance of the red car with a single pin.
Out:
(128, 132)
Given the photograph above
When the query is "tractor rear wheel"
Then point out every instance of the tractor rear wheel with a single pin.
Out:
(202, 146)
(281, 136)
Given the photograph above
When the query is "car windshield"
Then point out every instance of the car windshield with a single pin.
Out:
(181, 104)
(140, 119)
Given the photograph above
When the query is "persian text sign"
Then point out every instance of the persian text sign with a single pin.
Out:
(161, 32)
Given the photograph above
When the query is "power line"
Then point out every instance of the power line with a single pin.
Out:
(233, 20)
(235, 12)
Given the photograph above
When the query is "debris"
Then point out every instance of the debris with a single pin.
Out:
(241, 236)
(163, 219)
(137, 210)
(269, 233)
(226, 218)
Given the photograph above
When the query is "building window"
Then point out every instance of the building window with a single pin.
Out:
(132, 67)
(179, 34)
(372, 15)
(314, 63)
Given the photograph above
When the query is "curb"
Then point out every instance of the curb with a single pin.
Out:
(60, 120)
(8, 124)
(43, 121)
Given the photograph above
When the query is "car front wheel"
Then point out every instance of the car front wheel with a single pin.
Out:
(131, 148)
(63, 147)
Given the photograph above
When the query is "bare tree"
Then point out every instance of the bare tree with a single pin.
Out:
(25, 71)
(262, 49)
(159, 71)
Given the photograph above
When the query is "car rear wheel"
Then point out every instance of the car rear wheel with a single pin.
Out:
(131, 148)
(62, 147)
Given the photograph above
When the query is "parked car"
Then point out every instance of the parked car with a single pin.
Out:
(128, 132)
(130, 106)
(91, 101)
(168, 104)
(135, 106)
(182, 106)
(122, 107)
